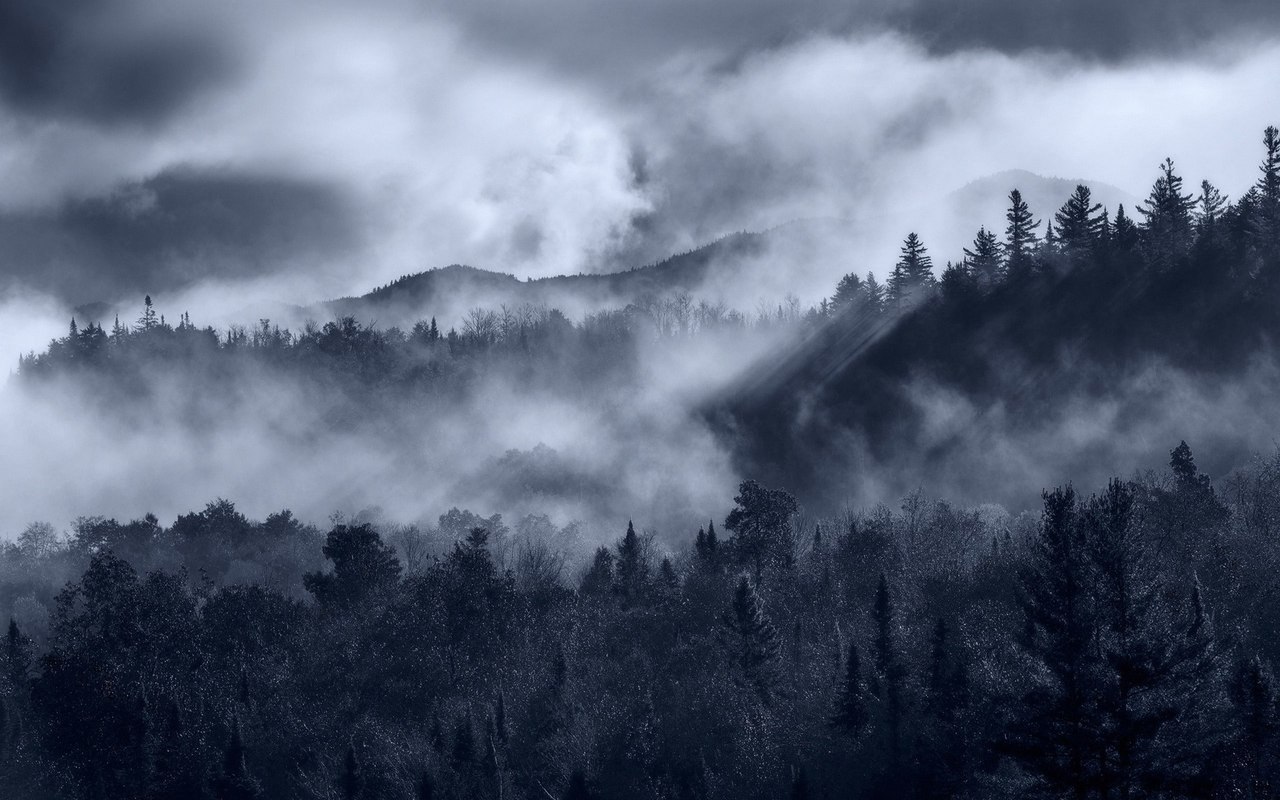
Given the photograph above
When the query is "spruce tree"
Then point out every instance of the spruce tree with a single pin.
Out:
(889, 670)
(874, 294)
(1057, 733)
(1168, 212)
(985, 261)
(1268, 186)
(1079, 225)
(706, 548)
(958, 282)
(598, 579)
(752, 640)
(1125, 235)
(149, 319)
(632, 570)
(1021, 240)
(1211, 204)
(944, 765)
(17, 657)
(851, 714)
(849, 294)
(913, 274)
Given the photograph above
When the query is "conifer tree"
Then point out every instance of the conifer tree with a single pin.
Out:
(1269, 192)
(1211, 205)
(985, 261)
(849, 294)
(1079, 224)
(874, 294)
(149, 319)
(1125, 235)
(17, 657)
(706, 548)
(944, 765)
(889, 671)
(851, 714)
(598, 579)
(1021, 240)
(913, 274)
(1058, 732)
(958, 282)
(1168, 228)
(667, 572)
(752, 640)
(632, 570)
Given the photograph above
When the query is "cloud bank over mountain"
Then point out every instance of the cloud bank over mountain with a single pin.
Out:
(317, 149)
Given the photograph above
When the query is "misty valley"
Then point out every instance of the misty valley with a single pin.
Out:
(939, 534)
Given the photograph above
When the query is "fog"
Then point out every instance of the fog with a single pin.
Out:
(967, 449)
(254, 160)
(391, 139)
(168, 440)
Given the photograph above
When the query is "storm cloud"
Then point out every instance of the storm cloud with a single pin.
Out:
(333, 148)
(88, 60)
(175, 229)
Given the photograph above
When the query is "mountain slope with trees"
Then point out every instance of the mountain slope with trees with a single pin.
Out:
(1082, 308)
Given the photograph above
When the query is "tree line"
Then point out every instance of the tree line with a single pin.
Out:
(1177, 235)
(1118, 644)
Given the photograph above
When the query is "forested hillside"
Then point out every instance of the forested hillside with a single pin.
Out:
(833, 630)
(1075, 342)
(1118, 643)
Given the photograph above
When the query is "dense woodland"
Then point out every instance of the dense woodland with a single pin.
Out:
(1119, 642)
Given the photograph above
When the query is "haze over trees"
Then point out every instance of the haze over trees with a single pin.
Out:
(1114, 644)
(1117, 641)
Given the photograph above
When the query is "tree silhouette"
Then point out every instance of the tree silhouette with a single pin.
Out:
(985, 260)
(851, 713)
(1021, 240)
(761, 526)
(362, 566)
(752, 640)
(913, 274)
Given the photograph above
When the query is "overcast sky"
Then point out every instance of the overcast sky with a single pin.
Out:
(308, 149)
